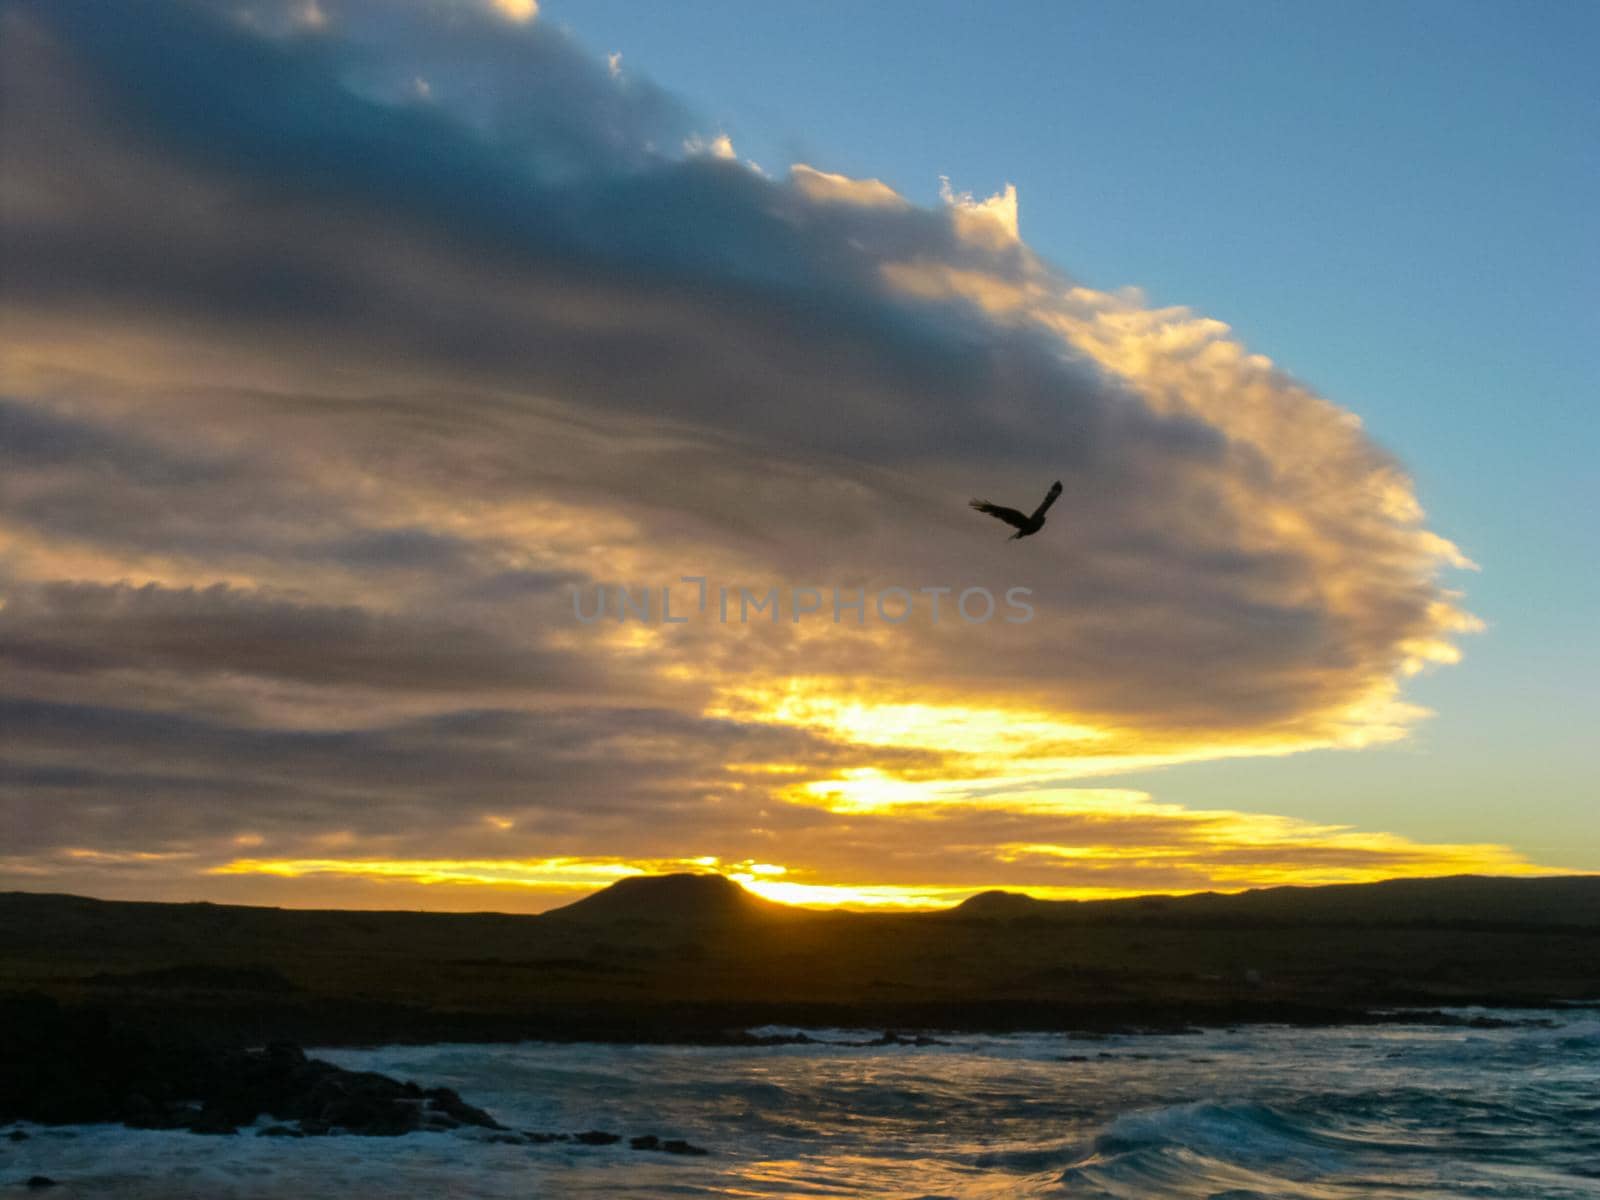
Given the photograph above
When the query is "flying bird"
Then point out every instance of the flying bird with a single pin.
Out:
(1026, 524)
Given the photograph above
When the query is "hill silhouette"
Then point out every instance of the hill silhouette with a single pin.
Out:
(999, 905)
(1457, 900)
(682, 899)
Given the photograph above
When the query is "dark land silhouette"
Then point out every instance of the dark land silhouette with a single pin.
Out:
(699, 959)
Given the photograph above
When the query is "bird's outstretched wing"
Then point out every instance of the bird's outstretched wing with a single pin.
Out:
(1009, 515)
(1049, 499)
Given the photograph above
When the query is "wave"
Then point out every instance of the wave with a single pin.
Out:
(1217, 1149)
(1362, 1113)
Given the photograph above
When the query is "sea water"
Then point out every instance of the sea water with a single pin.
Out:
(1409, 1111)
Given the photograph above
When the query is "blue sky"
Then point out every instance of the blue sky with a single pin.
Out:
(1394, 202)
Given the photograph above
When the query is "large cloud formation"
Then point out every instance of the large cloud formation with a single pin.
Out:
(347, 342)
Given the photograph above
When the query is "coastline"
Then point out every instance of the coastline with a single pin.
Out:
(1269, 1109)
(69, 1065)
(343, 1024)
(696, 960)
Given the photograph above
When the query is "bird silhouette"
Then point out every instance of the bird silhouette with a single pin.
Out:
(1026, 524)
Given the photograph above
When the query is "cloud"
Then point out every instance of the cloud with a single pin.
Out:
(822, 187)
(720, 146)
(520, 11)
(325, 390)
(991, 222)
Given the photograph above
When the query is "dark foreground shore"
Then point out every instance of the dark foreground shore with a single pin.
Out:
(695, 959)
(1261, 1110)
(68, 1064)
(73, 1066)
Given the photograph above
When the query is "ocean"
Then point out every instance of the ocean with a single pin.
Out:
(1411, 1111)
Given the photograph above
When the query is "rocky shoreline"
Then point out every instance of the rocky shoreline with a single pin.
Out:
(67, 1066)
(63, 1064)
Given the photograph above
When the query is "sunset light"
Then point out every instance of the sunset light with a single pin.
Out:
(604, 600)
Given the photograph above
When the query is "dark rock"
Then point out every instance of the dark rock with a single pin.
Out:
(650, 1141)
(543, 1139)
(139, 1111)
(40, 1181)
(17, 1135)
(76, 1066)
(596, 1137)
(679, 1146)
(446, 1101)
(213, 1120)
(284, 1054)
(366, 1108)
(891, 1038)
(772, 1039)
(172, 1115)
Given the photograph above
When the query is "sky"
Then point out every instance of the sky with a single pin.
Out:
(355, 351)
